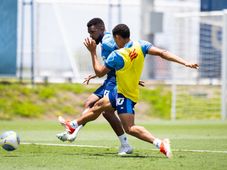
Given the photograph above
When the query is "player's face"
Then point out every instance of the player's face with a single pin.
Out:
(95, 33)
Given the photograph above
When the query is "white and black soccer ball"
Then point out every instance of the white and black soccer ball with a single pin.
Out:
(9, 140)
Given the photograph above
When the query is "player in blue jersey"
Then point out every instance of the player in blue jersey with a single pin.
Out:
(128, 63)
(96, 29)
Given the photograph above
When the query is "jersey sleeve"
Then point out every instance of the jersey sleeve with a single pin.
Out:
(108, 43)
(109, 46)
(114, 61)
(145, 45)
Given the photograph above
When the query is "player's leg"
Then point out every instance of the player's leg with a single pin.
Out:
(114, 122)
(141, 133)
(116, 125)
(93, 113)
(91, 100)
(125, 108)
(134, 130)
(90, 115)
(110, 116)
(70, 133)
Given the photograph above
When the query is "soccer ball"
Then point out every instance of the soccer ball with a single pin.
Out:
(9, 140)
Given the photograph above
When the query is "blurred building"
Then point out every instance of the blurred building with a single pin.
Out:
(211, 43)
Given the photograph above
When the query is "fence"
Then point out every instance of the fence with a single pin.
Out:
(201, 38)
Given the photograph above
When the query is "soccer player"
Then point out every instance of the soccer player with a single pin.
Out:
(96, 29)
(128, 63)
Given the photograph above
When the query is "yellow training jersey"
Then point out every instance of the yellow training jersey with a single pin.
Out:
(128, 77)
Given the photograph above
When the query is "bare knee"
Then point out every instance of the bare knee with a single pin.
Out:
(90, 101)
(98, 104)
(103, 105)
(133, 130)
(129, 130)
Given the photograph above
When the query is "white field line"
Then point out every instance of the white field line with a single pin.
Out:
(95, 146)
(70, 145)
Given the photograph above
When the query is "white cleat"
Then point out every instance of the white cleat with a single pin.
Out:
(66, 136)
(125, 150)
(72, 137)
(62, 136)
(165, 148)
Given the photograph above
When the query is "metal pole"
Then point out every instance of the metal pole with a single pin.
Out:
(32, 42)
(224, 68)
(110, 16)
(22, 43)
(173, 104)
(119, 11)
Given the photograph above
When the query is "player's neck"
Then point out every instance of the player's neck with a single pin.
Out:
(125, 41)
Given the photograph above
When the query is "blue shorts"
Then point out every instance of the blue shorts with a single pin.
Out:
(105, 89)
(121, 103)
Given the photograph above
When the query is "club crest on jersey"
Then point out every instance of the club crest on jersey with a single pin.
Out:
(133, 54)
(120, 101)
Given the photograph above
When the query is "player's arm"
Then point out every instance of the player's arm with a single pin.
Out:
(100, 70)
(171, 57)
(87, 79)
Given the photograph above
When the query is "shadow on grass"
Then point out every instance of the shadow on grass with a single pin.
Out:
(11, 156)
(113, 154)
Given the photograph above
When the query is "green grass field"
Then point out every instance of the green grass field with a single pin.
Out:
(195, 144)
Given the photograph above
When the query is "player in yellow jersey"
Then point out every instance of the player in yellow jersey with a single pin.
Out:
(97, 31)
(128, 63)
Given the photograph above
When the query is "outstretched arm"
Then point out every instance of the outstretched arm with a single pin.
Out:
(100, 70)
(171, 57)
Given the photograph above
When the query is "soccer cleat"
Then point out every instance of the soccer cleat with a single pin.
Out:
(66, 124)
(124, 150)
(165, 148)
(72, 137)
(66, 136)
(62, 136)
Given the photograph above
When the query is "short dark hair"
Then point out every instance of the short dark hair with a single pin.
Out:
(122, 30)
(96, 22)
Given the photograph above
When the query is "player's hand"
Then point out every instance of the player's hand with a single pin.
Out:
(192, 65)
(141, 83)
(87, 79)
(90, 44)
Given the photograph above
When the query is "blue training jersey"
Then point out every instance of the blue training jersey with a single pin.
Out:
(108, 45)
(115, 60)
